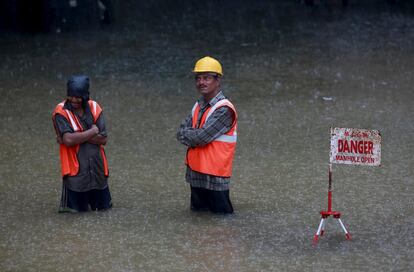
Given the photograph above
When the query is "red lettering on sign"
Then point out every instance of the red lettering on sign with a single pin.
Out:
(359, 134)
(370, 148)
(361, 147)
(340, 145)
(354, 147)
(355, 159)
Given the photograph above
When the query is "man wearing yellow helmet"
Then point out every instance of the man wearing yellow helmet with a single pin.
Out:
(210, 132)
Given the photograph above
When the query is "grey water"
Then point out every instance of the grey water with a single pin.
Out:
(292, 72)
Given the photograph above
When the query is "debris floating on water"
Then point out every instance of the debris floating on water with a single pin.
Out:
(328, 98)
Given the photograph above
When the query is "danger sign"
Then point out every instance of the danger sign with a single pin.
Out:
(355, 146)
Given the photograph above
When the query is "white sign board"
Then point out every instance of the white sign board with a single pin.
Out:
(355, 146)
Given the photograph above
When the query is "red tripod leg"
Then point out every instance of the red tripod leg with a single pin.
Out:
(323, 226)
(318, 232)
(347, 234)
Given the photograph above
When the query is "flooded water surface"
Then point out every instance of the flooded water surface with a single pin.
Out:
(292, 72)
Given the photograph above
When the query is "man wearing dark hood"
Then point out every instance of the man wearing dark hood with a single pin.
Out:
(80, 129)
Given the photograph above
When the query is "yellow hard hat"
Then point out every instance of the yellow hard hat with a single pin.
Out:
(208, 64)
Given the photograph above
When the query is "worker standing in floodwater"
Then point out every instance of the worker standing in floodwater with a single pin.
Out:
(210, 132)
(80, 130)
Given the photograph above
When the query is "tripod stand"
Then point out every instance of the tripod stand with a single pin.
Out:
(329, 212)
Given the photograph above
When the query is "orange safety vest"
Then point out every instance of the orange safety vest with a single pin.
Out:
(68, 154)
(216, 157)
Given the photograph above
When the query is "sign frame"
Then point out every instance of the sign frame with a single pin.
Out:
(355, 146)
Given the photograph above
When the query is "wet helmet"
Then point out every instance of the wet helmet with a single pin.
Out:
(208, 64)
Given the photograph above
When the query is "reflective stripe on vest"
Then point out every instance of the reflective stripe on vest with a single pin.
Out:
(227, 138)
(72, 121)
(72, 118)
(221, 103)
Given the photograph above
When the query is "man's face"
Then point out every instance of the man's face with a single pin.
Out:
(75, 101)
(207, 84)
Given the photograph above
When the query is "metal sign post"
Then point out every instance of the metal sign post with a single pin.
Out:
(349, 146)
(329, 212)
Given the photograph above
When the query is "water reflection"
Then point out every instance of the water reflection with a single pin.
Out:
(278, 65)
